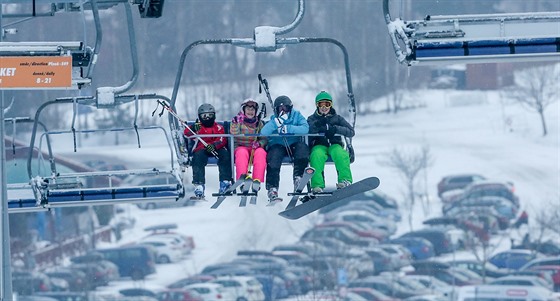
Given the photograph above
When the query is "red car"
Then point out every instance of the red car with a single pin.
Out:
(179, 295)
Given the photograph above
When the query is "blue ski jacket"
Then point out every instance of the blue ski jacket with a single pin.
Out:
(295, 124)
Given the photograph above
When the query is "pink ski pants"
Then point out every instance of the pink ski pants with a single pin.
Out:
(242, 154)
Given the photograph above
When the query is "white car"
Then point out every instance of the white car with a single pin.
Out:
(167, 249)
(186, 242)
(211, 291)
(242, 287)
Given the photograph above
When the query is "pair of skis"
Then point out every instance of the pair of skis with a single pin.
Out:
(249, 188)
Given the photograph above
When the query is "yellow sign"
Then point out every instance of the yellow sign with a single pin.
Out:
(35, 72)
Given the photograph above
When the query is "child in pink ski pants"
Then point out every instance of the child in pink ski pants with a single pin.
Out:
(247, 122)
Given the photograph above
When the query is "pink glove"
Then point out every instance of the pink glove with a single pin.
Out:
(239, 118)
(255, 144)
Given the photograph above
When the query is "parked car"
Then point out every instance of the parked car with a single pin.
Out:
(309, 248)
(419, 247)
(427, 298)
(358, 228)
(490, 188)
(65, 296)
(434, 285)
(440, 239)
(181, 283)
(210, 291)
(166, 231)
(385, 259)
(110, 270)
(178, 295)
(488, 269)
(138, 292)
(458, 181)
(371, 294)
(521, 281)
(273, 287)
(383, 285)
(242, 287)
(513, 259)
(35, 298)
(96, 274)
(136, 261)
(548, 247)
(504, 292)
(322, 272)
(77, 280)
(344, 235)
(540, 260)
(30, 282)
(168, 250)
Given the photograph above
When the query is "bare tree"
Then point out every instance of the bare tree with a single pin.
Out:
(408, 163)
(536, 88)
(546, 222)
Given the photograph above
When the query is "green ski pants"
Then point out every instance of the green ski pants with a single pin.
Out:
(318, 158)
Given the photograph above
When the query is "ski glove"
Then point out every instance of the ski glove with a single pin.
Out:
(196, 126)
(331, 131)
(279, 120)
(283, 129)
(239, 118)
(210, 148)
(255, 144)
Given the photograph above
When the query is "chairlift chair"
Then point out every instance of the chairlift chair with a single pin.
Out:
(265, 39)
(94, 187)
(481, 38)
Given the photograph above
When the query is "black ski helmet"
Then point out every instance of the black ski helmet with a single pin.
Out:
(282, 101)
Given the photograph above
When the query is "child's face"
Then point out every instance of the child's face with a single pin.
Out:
(324, 107)
(250, 111)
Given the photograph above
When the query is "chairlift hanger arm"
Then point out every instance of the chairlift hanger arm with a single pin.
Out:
(480, 38)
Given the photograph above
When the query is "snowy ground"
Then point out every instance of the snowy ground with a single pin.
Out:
(465, 131)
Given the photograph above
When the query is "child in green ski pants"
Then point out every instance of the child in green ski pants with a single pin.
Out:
(325, 120)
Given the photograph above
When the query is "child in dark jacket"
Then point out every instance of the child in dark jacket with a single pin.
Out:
(325, 120)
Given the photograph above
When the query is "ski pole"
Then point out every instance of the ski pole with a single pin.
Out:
(264, 83)
(181, 121)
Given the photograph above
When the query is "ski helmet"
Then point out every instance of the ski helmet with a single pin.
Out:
(249, 101)
(283, 101)
(206, 108)
(323, 96)
(206, 114)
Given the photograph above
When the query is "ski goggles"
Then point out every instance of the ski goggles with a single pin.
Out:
(253, 105)
(284, 108)
(207, 115)
(325, 104)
